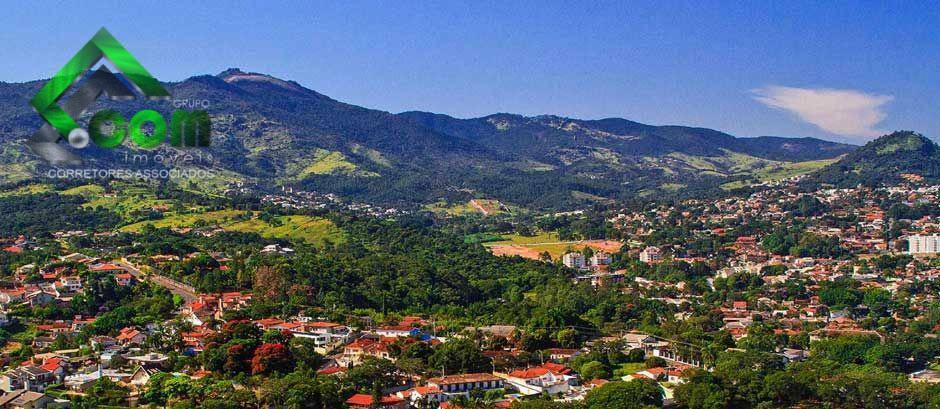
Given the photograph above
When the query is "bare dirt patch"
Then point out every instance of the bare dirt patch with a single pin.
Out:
(515, 250)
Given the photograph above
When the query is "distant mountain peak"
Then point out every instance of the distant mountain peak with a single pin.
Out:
(235, 75)
(885, 161)
(901, 141)
(231, 71)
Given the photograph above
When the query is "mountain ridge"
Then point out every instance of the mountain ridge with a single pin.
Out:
(277, 132)
(706, 141)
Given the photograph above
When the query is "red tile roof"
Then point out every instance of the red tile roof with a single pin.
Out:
(332, 370)
(361, 399)
(104, 267)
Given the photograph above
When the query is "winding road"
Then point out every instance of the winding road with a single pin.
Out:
(187, 292)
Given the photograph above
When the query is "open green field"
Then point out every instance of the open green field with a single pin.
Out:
(215, 218)
(126, 202)
(312, 230)
(326, 162)
(483, 238)
(447, 209)
(30, 189)
(672, 187)
(790, 169)
(776, 171)
(86, 191)
(541, 237)
(628, 368)
(475, 206)
(219, 181)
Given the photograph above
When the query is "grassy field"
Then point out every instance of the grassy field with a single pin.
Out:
(215, 218)
(775, 171)
(447, 209)
(332, 163)
(312, 230)
(372, 154)
(86, 191)
(30, 189)
(475, 206)
(672, 187)
(628, 368)
(542, 237)
(211, 186)
(787, 170)
(482, 238)
(587, 196)
(130, 200)
(16, 172)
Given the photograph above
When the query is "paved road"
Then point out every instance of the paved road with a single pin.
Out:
(188, 293)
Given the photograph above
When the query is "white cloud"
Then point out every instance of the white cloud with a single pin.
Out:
(843, 112)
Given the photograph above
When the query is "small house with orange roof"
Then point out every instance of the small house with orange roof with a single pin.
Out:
(361, 400)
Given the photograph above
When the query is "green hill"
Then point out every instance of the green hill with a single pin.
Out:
(271, 132)
(885, 161)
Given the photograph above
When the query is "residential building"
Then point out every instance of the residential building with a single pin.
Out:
(361, 400)
(921, 244)
(600, 258)
(24, 399)
(464, 383)
(651, 255)
(574, 260)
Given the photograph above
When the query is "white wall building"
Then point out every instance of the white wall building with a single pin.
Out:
(600, 258)
(920, 244)
(574, 260)
(651, 254)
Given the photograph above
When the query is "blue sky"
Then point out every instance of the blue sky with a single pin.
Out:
(836, 70)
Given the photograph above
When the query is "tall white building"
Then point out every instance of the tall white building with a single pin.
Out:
(920, 244)
(574, 260)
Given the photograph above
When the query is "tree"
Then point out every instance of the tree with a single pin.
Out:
(864, 387)
(594, 370)
(845, 349)
(783, 389)
(271, 282)
(271, 358)
(878, 301)
(304, 352)
(459, 356)
(567, 338)
(154, 392)
(742, 374)
(372, 372)
(655, 362)
(303, 390)
(701, 391)
(638, 393)
(760, 337)
(104, 392)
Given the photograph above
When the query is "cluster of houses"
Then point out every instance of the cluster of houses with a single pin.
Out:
(127, 358)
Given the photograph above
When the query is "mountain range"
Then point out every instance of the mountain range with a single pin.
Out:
(277, 132)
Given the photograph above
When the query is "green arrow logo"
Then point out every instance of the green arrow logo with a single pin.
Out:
(102, 45)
